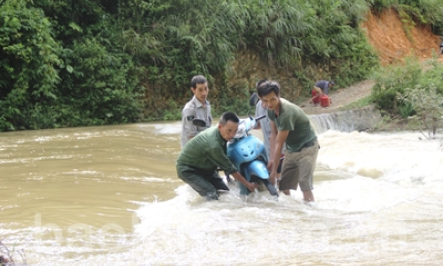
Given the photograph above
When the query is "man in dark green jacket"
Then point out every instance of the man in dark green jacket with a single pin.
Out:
(198, 161)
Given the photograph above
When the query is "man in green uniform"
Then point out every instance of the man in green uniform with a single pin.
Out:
(197, 107)
(291, 125)
(198, 161)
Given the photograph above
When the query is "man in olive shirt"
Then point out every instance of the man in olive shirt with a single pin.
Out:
(198, 161)
(197, 107)
(291, 125)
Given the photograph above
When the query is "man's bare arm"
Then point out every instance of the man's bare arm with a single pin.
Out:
(280, 140)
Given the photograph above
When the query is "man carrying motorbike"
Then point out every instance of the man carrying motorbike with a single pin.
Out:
(291, 125)
(265, 126)
(198, 161)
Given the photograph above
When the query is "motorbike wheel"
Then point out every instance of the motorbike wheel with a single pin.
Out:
(271, 188)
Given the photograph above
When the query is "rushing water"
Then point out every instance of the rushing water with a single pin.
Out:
(110, 196)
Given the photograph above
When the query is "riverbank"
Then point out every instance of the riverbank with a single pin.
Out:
(357, 99)
(341, 98)
(359, 96)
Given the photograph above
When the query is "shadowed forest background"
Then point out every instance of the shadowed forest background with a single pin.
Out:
(93, 62)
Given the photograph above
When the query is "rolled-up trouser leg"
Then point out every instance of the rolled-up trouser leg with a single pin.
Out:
(205, 186)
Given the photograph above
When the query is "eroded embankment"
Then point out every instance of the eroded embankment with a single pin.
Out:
(394, 38)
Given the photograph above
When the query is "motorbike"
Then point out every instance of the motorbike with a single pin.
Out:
(248, 153)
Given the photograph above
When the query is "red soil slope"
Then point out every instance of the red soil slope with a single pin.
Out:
(387, 35)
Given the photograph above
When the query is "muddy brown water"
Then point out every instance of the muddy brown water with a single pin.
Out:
(110, 196)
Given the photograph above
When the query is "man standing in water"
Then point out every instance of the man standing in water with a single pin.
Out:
(197, 107)
(291, 125)
(198, 161)
(265, 125)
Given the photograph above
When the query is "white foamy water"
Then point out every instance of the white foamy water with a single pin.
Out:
(375, 193)
(378, 202)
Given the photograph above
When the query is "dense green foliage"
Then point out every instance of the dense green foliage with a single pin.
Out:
(28, 60)
(93, 62)
(423, 11)
(58, 70)
(284, 34)
(411, 89)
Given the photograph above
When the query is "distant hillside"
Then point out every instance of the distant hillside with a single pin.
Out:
(395, 39)
(93, 62)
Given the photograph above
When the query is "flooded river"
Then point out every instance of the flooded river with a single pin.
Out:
(110, 196)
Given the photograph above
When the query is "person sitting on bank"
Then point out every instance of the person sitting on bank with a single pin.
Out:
(197, 163)
(197, 107)
(322, 87)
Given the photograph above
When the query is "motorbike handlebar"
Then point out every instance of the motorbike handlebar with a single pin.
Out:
(260, 117)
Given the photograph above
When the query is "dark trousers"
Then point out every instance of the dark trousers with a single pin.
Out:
(206, 184)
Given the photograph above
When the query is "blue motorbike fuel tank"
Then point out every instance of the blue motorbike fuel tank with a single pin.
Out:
(246, 149)
(249, 157)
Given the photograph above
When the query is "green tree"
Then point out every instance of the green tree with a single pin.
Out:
(103, 87)
(28, 66)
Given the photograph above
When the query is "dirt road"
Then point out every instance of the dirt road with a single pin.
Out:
(341, 97)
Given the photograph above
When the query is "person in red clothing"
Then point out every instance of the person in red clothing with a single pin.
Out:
(321, 88)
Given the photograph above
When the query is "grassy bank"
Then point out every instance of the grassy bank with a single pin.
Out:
(409, 96)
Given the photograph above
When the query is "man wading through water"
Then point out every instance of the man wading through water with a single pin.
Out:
(291, 125)
(198, 161)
